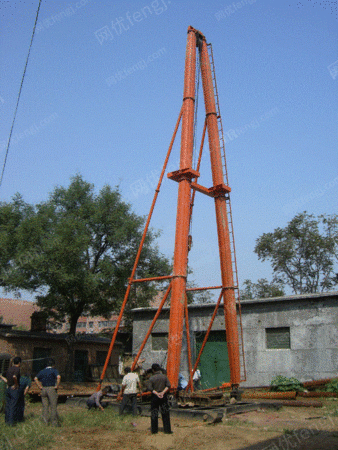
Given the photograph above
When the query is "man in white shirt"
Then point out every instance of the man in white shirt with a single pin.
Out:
(197, 380)
(130, 386)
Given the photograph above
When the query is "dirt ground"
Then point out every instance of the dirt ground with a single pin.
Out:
(287, 428)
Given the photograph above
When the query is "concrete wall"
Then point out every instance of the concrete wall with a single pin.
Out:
(199, 318)
(313, 322)
(142, 320)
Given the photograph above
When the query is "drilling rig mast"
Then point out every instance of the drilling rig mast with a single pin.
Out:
(187, 177)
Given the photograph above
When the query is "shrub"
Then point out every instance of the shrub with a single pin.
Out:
(332, 386)
(284, 384)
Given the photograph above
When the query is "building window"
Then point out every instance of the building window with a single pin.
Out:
(278, 338)
(159, 341)
(91, 324)
(107, 323)
(81, 325)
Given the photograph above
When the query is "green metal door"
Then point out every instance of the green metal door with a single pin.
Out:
(214, 362)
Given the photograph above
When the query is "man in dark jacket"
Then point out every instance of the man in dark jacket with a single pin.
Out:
(159, 385)
(25, 383)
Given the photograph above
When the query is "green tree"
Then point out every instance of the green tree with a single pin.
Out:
(77, 249)
(12, 215)
(261, 289)
(198, 297)
(303, 255)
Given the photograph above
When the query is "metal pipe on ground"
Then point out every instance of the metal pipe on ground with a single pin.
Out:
(317, 394)
(269, 395)
(299, 403)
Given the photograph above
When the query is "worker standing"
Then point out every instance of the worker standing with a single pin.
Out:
(197, 380)
(130, 385)
(159, 385)
(48, 381)
(12, 378)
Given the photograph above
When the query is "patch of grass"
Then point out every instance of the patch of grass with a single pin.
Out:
(28, 435)
(82, 418)
(237, 422)
(330, 407)
(34, 434)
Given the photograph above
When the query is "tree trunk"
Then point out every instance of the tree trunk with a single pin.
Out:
(73, 322)
(71, 339)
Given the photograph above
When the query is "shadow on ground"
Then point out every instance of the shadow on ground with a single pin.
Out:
(301, 439)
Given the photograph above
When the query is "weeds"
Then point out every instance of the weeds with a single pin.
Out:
(94, 419)
(238, 422)
(34, 434)
(27, 435)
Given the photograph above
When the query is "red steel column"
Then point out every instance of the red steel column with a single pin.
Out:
(182, 218)
(221, 218)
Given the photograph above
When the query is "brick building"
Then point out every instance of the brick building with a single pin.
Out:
(78, 358)
(88, 354)
(18, 313)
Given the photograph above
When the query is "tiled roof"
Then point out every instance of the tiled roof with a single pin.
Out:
(317, 297)
(53, 336)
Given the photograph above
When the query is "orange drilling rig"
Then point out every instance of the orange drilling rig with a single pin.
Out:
(197, 51)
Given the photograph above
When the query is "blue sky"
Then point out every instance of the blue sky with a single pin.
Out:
(104, 86)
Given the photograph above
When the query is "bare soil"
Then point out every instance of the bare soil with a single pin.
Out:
(288, 428)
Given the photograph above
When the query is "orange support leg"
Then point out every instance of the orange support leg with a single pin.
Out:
(184, 176)
(221, 217)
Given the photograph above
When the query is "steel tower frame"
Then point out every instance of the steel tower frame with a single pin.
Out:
(186, 177)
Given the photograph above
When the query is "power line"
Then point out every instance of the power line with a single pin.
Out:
(18, 99)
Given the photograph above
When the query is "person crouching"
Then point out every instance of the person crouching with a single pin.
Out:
(94, 400)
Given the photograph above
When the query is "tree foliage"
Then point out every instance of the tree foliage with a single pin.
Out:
(261, 289)
(78, 249)
(303, 255)
(12, 216)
